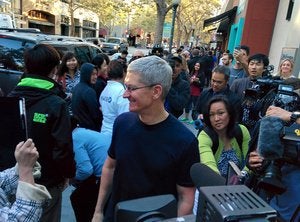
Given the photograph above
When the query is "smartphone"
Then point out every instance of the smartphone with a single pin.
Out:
(238, 47)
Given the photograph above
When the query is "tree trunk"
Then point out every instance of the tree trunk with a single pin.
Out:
(161, 8)
(72, 25)
(159, 29)
(178, 24)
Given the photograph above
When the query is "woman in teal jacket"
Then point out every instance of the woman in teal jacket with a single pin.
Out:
(220, 118)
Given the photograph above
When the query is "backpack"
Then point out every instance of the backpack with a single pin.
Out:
(238, 134)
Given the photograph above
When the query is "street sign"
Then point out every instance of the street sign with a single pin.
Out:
(167, 30)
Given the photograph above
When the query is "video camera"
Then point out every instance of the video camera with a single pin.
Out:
(262, 86)
(287, 151)
(267, 91)
(280, 144)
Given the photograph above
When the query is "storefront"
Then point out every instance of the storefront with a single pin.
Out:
(41, 20)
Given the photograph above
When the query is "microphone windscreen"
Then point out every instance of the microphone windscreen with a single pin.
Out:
(295, 82)
(269, 138)
(204, 176)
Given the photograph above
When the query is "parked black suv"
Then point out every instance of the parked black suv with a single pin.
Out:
(14, 43)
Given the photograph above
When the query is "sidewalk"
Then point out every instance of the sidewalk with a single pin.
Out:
(67, 214)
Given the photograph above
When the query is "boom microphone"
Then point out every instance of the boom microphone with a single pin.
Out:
(269, 138)
(271, 148)
(204, 176)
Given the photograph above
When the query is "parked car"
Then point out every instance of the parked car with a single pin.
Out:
(116, 56)
(114, 45)
(95, 40)
(13, 45)
(65, 38)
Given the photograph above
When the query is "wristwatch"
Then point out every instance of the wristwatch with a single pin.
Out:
(294, 116)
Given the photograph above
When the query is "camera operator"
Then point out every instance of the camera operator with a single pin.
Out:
(257, 68)
(287, 202)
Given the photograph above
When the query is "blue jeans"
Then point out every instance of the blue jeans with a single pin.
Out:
(286, 203)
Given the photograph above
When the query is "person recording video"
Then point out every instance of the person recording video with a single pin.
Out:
(287, 202)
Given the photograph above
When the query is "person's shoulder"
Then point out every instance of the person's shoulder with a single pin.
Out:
(234, 98)
(85, 90)
(78, 87)
(238, 81)
(179, 128)
(184, 82)
(55, 98)
(126, 117)
(205, 136)
(206, 91)
(244, 129)
(179, 83)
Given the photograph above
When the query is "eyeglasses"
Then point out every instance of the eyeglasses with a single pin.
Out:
(132, 88)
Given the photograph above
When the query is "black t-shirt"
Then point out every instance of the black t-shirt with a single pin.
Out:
(150, 159)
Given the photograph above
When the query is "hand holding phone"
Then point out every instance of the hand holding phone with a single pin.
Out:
(238, 47)
(236, 52)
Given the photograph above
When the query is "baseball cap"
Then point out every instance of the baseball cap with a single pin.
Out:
(175, 57)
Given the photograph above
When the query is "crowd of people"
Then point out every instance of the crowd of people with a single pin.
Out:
(114, 129)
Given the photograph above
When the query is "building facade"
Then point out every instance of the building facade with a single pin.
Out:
(286, 35)
(270, 27)
(52, 17)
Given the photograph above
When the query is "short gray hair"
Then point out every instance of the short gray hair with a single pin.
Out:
(153, 70)
(223, 70)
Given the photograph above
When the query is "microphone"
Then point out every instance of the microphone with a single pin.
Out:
(269, 138)
(271, 148)
(203, 176)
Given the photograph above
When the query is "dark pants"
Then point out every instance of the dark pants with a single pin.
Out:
(191, 106)
(84, 199)
(52, 211)
(208, 75)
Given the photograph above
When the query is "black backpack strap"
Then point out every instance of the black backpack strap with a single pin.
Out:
(214, 138)
(239, 136)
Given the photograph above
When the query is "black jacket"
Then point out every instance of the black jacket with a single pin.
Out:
(49, 126)
(85, 106)
(208, 93)
(178, 96)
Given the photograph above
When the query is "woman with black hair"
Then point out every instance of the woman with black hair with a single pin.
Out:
(69, 72)
(220, 119)
(101, 61)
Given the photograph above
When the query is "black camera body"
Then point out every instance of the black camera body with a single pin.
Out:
(266, 92)
(270, 174)
(291, 142)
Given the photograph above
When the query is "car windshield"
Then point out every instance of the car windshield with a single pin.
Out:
(11, 53)
(117, 41)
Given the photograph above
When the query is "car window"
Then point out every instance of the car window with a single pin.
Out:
(12, 52)
(116, 41)
(83, 54)
(95, 51)
(61, 50)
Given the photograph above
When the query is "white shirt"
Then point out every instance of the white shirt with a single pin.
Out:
(112, 104)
